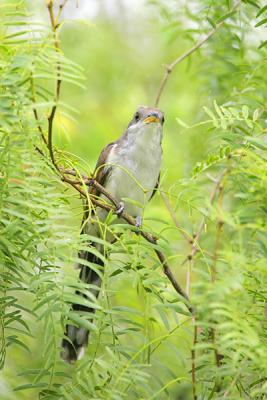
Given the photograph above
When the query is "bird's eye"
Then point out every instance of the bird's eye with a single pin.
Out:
(136, 116)
(163, 119)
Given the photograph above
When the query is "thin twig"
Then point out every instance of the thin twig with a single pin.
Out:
(61, 7)
(219, 227)
(186, 236)
(54, 25)
(39, 151)
(169, 68)
(188, 277)
(193, 360)
(218, 237)
(167, 203)
(35, 112)
(195, 245)
(218, 187)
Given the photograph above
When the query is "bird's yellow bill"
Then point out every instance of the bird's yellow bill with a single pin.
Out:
(150, 119)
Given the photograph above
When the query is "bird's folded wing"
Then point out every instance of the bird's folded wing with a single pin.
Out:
(102, 169)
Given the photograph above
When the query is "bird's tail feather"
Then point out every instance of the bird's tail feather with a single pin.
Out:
(76, 338)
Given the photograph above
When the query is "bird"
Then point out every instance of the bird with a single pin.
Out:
(127, 168)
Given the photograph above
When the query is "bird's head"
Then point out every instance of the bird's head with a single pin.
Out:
(147, 116)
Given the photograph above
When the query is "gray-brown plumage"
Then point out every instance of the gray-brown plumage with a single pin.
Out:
(127, 168)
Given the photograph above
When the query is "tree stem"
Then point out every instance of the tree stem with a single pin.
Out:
(169, 67)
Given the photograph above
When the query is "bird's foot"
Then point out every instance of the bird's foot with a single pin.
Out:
(120, 209)
(138, 224)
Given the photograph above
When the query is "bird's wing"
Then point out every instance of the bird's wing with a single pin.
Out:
(76, 337)
(156, 187)
(102, 170)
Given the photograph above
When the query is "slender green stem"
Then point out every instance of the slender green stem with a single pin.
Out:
(169, 68)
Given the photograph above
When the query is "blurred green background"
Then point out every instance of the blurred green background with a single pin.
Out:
(122, 48)
(122, 51)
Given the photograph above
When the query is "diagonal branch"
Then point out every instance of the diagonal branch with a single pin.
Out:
(82, 180)
(114, 206)
(169, 68)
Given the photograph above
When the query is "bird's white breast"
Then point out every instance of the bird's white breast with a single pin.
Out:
(136, 163)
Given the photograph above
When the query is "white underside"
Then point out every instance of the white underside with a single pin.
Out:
(135, 170)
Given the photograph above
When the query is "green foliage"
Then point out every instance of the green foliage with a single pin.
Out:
(142, 342)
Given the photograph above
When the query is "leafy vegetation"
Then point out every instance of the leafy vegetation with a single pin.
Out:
(209, 213)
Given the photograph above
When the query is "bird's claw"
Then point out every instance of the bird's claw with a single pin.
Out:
(120, 209)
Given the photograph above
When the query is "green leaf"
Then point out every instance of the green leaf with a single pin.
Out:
(225, 16)
(79, 321)
(261, 11)
(257, 143)
(245, 111)
(14, 340)
(251, 2)
(217, 108)
(255, 115)
(182, 123)
(76, 299)
(116, 272)
(263, 21)
(30, 386)
(210, 114)
(263, 44)
(15, 34)
(213, 24)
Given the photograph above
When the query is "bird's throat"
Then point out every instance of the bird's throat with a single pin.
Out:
(147, 136)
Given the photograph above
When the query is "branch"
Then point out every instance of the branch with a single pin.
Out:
(185, 235)
(114, 206)
(193, 360)
(35, 112)
(82, 180)
(167, 203)
(54, 25)
(219, 227)
(169, 68)
(194, 248)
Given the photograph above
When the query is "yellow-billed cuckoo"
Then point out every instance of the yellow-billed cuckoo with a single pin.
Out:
(127, 168)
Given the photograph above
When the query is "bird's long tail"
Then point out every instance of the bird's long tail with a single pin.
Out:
(76, 338)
